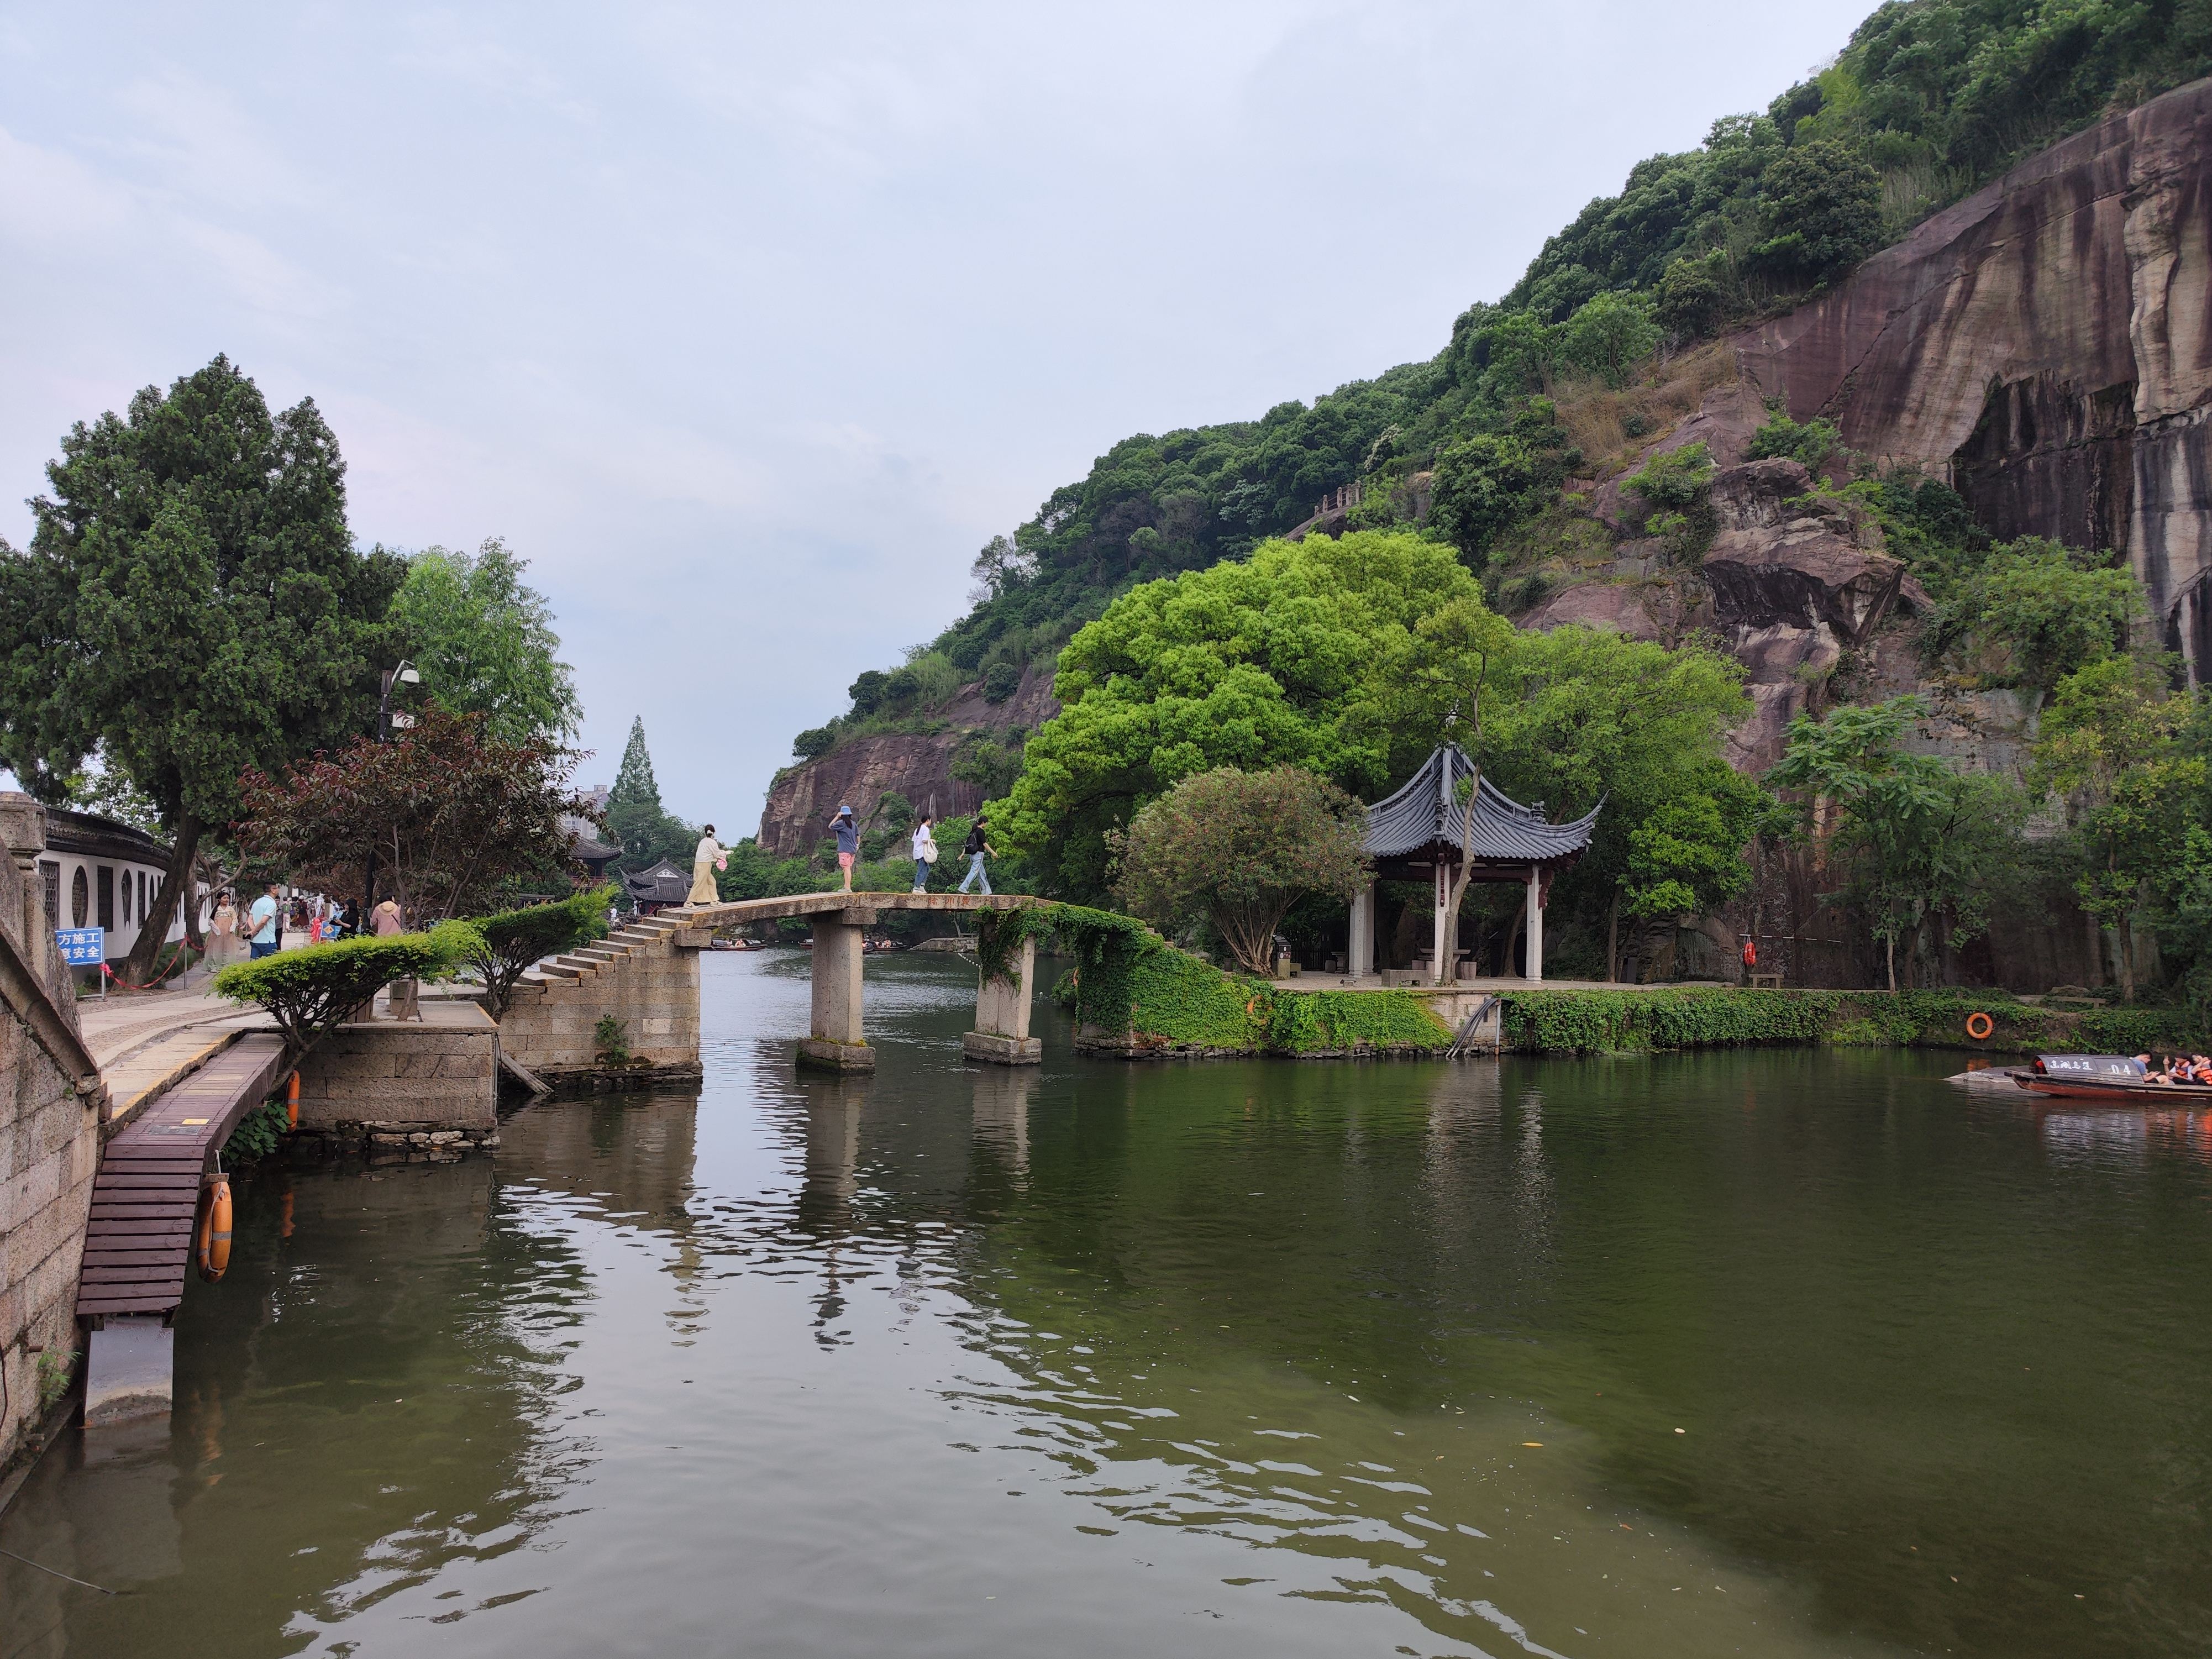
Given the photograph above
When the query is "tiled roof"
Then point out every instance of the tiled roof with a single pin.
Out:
(1423, 813)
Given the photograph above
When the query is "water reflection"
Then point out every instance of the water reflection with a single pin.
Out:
(1778, 1353)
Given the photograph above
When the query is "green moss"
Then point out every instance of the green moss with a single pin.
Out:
(1321, 1022)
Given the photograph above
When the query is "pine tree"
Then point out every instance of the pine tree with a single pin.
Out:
(633, 784)
(635, 817)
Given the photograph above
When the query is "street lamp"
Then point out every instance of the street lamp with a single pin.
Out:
(404, 674)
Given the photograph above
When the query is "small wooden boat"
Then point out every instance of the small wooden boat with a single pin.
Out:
(2107, 1077)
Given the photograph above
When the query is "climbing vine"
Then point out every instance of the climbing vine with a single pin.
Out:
(999, 936)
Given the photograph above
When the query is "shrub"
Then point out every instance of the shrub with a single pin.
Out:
(258, 1133)
(1694, 297)
(1000, 681)
(1488, 485)
(1784, 439)
(505, 945)
(815, 742)
(1674, 486)
(610, 1041)
(312, 991)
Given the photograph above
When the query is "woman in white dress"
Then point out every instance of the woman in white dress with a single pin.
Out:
(709, 858)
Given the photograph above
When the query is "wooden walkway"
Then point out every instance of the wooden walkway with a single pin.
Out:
(140, 1240)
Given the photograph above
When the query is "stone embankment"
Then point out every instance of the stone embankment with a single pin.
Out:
(50, 1140)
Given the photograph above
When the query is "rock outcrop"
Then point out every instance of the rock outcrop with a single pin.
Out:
(918, 765)
(2046, 346)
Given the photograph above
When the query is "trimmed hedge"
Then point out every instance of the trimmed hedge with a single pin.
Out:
(312, 991)
(1595, 1021)
(507, 943)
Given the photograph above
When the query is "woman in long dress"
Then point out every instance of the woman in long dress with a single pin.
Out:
(709, 858)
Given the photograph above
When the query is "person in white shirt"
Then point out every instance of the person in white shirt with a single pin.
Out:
(925, 854)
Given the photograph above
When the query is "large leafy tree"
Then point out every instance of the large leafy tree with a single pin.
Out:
(457, 817)
(191, 606)
(1239, 848)
(1597, 717)
(483, 640)
(1914, 838)
(2112, 747)
(1300, 656)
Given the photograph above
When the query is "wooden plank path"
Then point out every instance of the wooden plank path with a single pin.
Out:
(140, 1239)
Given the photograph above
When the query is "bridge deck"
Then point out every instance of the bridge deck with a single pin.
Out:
(814, 904)
(139, 1241)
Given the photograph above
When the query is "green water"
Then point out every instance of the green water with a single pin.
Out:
(1819, 1354)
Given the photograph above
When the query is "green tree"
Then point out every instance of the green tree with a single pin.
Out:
(1822, 204)
(1694, 296)
(2111, 746)
(1489, 484)
(648, 832)
(192, 607)
(484, 643)
(1298, 656)
(1611, 336)
(1916, 839)
(1239, 848)
(2045, 611)
(1595, 717)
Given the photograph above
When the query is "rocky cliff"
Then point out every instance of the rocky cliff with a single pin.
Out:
(916, 763)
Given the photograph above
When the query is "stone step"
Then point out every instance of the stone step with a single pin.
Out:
(558, 970)
(583, 964)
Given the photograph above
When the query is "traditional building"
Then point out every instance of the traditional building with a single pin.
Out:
(663, 884)
(100, 873)
(1422, 831)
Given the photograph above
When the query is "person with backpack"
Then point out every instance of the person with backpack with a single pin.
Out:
(925, 854)
(977, 849)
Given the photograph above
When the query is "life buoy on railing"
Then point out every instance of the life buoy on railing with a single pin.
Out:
(292, 1102)
(1979, 1026)
(213, 1228)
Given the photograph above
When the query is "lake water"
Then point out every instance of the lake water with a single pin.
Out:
(1769, 1353)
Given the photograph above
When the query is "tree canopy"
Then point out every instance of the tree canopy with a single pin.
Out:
(484, 641)
(1301, 655)
(648, 832)
(191, 607)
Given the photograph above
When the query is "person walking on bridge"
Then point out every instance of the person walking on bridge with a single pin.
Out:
(848, 831)
(705, 862)
(925, 854)
(977, 849)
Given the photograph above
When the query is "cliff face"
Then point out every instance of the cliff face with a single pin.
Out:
(861, 771)
(2046, 346)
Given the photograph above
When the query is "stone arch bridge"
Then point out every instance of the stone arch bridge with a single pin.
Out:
(839, 921)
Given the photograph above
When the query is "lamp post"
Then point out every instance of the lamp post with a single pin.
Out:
(404, 674)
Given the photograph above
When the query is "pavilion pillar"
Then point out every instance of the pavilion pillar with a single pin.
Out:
(1001, 1037)
(836, 1044)
(1535, 936)
(1441, 964)
(1359, 952)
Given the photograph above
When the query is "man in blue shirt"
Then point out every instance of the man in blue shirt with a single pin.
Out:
(263, 916)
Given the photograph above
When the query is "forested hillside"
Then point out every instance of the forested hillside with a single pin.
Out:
(1931, 99)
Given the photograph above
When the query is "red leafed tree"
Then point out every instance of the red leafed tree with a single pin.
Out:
(453, 815)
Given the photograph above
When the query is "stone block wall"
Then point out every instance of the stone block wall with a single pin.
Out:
(50, 1140)
(651, 986)
(385, 1080)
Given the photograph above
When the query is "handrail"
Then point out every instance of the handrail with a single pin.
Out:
(29, 999)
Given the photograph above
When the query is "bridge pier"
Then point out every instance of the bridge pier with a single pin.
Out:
(836, 1044)
(1001, 1037)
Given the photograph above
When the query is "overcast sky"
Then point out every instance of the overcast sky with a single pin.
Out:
(747, 326)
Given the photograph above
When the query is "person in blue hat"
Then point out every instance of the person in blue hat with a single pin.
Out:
(847, 829)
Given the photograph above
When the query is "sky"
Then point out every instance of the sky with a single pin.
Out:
(747, 326)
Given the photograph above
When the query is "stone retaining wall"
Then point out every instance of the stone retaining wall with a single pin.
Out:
(397, 1082)
(50, 1140)
(651, 988)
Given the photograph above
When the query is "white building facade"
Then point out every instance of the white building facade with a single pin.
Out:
(99, 874)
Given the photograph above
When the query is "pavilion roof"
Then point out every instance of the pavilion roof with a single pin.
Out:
(1422, 816)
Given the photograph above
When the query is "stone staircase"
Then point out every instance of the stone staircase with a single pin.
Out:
(640, 974)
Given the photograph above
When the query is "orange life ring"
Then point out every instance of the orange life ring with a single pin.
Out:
(292, 1102)
(1979, 1026)
(215, 1229)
